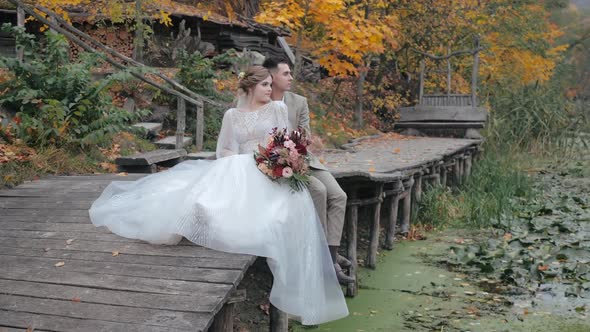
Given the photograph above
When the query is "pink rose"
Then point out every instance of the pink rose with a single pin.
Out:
(287, 172)
(289, 144)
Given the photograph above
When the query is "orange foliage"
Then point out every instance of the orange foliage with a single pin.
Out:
(341, 35)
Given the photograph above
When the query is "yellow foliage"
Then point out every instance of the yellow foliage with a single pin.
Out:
(342, 36)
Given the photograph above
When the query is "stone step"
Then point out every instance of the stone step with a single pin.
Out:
(153, 128)
(170, 142)
(146, 162)
(201, 155)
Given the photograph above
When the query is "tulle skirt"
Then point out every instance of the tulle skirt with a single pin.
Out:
(229, 205)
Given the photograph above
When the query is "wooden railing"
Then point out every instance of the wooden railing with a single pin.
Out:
(447, 100)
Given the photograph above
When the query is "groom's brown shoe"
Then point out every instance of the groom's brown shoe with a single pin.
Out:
(343, 262)
(343, 279)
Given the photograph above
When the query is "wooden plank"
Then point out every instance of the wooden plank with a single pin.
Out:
(186, 302)
(442, 113)
(40, 322)
(38, 265)
(94, 177)
(10, 329)
(46, 219)
(50, 227)
(170, 143)
(55, 195)
(6, 203)
(122, 248)
(71, 184)
(120, 283)
(64, 199)
(283, 43)
(43, 212)
(75, 236)
(119, 314)
(234, 262)
(24, 192)
(440, 125)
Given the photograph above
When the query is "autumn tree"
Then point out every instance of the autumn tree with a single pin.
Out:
(344, 36)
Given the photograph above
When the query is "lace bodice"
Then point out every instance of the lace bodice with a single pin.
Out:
(242, 131)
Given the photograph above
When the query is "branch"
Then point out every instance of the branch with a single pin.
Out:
(445, 57)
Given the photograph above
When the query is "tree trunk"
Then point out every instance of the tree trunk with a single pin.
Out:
(334, 94)
(139, 42)
(474, 74)
(297, 67)
(358, 107)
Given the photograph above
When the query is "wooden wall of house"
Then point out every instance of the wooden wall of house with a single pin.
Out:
(7, 42)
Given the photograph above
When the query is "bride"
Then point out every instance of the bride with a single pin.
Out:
(229, 205)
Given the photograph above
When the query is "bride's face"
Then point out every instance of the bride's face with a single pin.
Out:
(261, 92)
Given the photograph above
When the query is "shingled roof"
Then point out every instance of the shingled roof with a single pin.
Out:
(82, 14)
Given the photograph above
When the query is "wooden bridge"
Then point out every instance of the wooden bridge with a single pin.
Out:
(60, 273)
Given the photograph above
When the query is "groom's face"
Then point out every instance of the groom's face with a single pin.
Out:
(281, 78)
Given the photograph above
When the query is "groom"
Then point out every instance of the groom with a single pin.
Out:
(329, 199)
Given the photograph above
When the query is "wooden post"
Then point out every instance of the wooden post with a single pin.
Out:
(474, 74)
(457, 172)
(279, 321)
(200, 127)
(351, 239)
(467, 170)
(407, 208)
(421, 90)
(416, 191)
(436, 175)
(391, 222)
(20, 21)
(180, 122)
(224, 319)
(374, 240)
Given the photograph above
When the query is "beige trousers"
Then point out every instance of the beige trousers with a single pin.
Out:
(330, 203)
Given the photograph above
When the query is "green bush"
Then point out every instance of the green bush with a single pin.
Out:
(57, 101)
(198, 73)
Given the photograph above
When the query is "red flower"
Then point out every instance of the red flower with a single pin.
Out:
(277, 171)
(301, 149)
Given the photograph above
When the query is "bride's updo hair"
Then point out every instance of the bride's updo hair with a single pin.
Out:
(252, 76)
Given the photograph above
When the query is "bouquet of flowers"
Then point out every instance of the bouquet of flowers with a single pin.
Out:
(285, 158)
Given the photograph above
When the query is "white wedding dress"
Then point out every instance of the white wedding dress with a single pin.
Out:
(229, 205)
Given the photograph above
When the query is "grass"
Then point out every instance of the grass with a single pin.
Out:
(63, 161)
(46, 161)
(487, 194)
